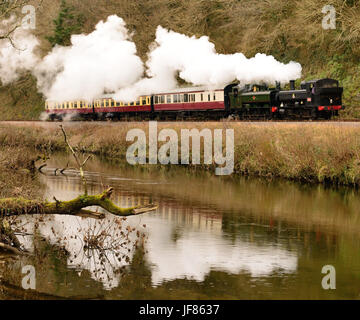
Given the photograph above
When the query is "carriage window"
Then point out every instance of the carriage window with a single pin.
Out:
(143, 101)
(112, 103)
(214, 96)
(193, 97)
(175, 98)
(209, 97)
(162, 99)
(186, 98)
(168, 99)
(156, 99)
(202, 97)
(137, 103)
(118, 104)
(131, 103)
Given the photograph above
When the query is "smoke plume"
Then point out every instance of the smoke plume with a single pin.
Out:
(197, 62)
(18, 56)
(106, 61)
(103, 61)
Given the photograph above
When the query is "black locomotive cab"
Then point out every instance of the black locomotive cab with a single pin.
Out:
(324, 96)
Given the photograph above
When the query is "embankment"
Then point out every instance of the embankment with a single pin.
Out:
(313, 153)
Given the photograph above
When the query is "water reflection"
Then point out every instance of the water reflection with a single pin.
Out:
(183, 241)
(210, 238)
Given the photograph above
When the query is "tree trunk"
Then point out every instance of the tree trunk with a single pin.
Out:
(18, 206)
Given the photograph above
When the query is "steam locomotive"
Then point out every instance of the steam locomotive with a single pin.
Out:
(315, 99)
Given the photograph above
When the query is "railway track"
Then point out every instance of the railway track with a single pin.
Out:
(38, 123)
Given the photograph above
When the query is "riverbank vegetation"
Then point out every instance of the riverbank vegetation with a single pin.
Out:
(313, 153)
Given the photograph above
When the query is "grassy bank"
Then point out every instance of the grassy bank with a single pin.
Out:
(17, 173)
(314, 153)
(288, 30)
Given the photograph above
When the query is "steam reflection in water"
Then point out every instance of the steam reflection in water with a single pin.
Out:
(183, 241)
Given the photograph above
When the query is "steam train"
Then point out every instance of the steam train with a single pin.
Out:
(315, 99)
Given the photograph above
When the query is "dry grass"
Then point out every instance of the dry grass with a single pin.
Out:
(324, 153)
(17, 177)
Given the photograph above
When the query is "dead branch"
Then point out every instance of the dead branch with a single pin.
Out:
(79, 163)
(16, 207)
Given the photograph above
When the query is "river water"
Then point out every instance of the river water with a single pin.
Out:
(211, 238)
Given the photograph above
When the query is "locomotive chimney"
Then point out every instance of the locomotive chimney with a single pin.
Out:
(292, 84)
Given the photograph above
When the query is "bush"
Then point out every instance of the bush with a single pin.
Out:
(66, 24)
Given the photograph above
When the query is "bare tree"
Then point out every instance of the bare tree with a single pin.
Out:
(9, 8)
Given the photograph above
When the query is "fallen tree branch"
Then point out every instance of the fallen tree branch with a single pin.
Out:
(18, 206)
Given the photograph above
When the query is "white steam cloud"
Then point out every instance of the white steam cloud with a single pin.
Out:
(103, 61)
(106, 61)
(18, 56)
(196, 62)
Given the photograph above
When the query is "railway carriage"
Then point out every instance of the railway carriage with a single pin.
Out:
(107, 105)
(193, 99)
(316, 99)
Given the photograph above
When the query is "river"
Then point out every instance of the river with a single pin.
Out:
(211, 238)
